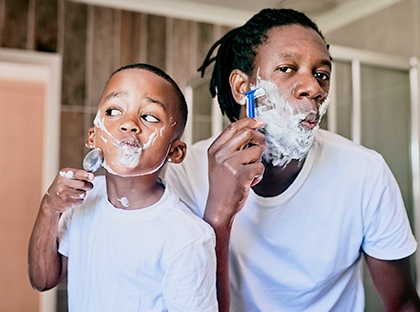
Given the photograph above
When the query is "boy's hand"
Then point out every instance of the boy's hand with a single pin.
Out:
(68, 190)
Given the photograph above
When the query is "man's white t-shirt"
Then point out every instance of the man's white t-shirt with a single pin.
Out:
(301, 250)
(159, 258)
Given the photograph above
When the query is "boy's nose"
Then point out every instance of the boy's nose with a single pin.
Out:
(130, 126)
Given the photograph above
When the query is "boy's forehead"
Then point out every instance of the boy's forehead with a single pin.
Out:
(139, 81)
(132, 75)
(142, 82)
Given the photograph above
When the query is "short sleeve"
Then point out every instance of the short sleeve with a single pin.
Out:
(63, 232)
(387, 231)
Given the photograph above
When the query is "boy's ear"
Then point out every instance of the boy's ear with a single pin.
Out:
(90, 141)
(239, 84)
(177, 152)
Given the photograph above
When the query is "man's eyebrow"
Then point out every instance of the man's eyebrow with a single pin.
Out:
(288, 55)
(115, 94)
(326, 62)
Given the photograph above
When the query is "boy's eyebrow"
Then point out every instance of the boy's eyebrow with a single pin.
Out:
(115, 94)
(161, 104)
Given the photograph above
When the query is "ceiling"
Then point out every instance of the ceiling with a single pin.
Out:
(328, 14)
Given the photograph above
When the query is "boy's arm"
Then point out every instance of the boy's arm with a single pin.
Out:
(234, 166)
(394, 283)
(47, 267)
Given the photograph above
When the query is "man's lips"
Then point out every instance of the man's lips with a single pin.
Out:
(309, 124)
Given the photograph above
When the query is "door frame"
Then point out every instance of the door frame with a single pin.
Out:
(46, 68)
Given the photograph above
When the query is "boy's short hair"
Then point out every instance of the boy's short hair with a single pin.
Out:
(183, 107)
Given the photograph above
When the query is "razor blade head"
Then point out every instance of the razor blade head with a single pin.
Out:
(251, 96)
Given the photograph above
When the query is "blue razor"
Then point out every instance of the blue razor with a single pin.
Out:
(250, 100)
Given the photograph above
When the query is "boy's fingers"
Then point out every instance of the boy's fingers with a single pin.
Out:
(69, 188)
(77, 174)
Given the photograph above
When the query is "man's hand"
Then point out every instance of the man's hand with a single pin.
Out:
(234, 167)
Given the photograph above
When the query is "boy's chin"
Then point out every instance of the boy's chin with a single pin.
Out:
(129, 172)
(121, 171)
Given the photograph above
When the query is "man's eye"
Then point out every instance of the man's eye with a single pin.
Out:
(285, 69)
(113, 112)
(322, 76)
(150, 118)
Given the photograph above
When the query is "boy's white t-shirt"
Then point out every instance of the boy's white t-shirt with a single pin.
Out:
(300, 251)
(159, 258)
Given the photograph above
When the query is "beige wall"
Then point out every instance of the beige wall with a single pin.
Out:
(394, 30)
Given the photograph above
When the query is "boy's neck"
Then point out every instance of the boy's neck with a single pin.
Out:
(132, 193)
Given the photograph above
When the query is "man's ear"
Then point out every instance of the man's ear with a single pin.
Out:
(177, 152)
(239, 84)
(90, 141)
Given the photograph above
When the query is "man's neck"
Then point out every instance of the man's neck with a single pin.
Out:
(278, 179)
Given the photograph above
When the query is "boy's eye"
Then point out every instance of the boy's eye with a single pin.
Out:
(113, 112)
(150, 118)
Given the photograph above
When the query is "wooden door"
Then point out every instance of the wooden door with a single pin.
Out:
(25, 141)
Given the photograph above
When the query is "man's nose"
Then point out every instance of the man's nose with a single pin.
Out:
(308, 86)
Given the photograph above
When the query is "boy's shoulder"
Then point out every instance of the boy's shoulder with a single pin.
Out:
(186, 219)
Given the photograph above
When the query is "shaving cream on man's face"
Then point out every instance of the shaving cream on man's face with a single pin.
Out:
(289, 128)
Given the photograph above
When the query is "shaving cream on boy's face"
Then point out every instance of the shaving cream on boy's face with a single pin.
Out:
(125, 153)
(289, 128)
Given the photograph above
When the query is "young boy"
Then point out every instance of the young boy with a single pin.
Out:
(126, 241)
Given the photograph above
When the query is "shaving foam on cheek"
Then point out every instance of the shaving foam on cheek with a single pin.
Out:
(130, 157)
(129, 150)
(286, 138)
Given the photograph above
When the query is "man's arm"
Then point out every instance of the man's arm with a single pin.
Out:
(394, 283)
(234, 167)
(46, 266)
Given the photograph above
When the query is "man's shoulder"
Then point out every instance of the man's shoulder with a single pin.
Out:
(202, 146)
(195, 161)
(327, 140)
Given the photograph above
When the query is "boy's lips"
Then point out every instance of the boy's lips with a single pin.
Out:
(130, 143)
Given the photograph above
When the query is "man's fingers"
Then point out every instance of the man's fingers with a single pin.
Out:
(241, 129)
(256, 172)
